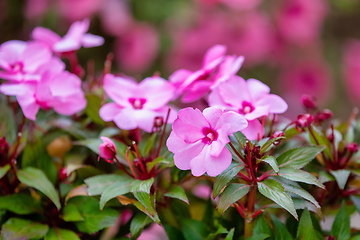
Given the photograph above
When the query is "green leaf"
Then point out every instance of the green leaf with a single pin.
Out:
(321, 140)
(299, 157)
(4, 170)
(92, 108)
(16, 229)
(141, 186)
(261, 236)
(20, 204)
(262, 226)
(302, 193)
(240, 137)
(341, 176)
(173, 233)
(97, 185)
(61, 234)
(355, 237)
(303, 204)
(273, 190)
(281, 232)
(356, 201)
(147, 145)
(231, 194)
(298, 175)
(325, 177)
(271, 161)
(94, 218)
(35, 178)
(194, 230)
(305, 229)
(152, 214)
(109, 132)
(71, 213)
(268, 144)
(163, 163)
(225, 177)
(230, 235)
(145, 200)
(138, 223)
(177, 192)
(116, 189)
(341, 226)
(8, 124)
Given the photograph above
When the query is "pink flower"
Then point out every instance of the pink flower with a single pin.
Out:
(107, 150)
(251, 99)
(351, 69)
(198, 139)
(216, 68)
(136, 105)
(73, 40)
(74, 10)
(22, 61)
(154, 232)
(60, 91)
(137, 48)
(116, 18)
(299, 21)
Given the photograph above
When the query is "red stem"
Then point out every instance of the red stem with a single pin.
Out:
(123, 168)
(237, 153)
(163, 133)
(130, 165)
(142, 166)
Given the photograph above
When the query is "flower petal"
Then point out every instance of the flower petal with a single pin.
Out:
(213, 57)
(119, 89)
(276, 103)
(217, 164)
(109, 111)
(90, 40)
(253, 130)
(234, 91)
(197, 164)
(125, 119)
(257, 89)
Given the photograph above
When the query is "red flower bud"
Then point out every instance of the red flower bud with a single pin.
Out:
(107, 150)
(323, 115)
(353, 148)
(308, 101)
(304, 121)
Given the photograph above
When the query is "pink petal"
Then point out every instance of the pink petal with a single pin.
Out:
(189, 125)
(34, 56)
(212, 115)
(215, 99)
(196, 91)
(109, 111)
(144, 118)
(179, 76)
(216, 165)
(29, 106)
(90, 40)
(257, 89)
(253, 130)
(119, 89)
(10, 52)
(197, 164)
(66, 45)
(45, 35)
(276, 103)
(156, 90)
(229, 67)
(184, 152)
(64, 84)
(234, 91)
(71, 104)
(213, 57)
(17, 88)
(259, 111)
(125, 119)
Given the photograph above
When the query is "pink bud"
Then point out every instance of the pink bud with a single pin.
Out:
(323, 115)
(353, 147)
(308, 101)
(107, 150)
(304, 120)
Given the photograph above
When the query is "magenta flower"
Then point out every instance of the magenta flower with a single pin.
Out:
(60, 91)
(198, 139)
(74, 39)
(22, 61)
(136, 105)
(216, 67)
(251, 99)
(107, 150)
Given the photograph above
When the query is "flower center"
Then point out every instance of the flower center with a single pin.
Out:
(246, 108)
(209, 135)
(138, 103)
(17, 67)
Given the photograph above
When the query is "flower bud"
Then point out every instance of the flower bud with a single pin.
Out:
(323, 115)
(158, 122)
(353, 148)
(308, 101)
(107, 150)
(304, 121)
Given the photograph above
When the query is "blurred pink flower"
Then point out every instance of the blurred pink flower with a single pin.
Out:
(137, 48)
(36, 8)
(136, 105)
(154, 232)
(107, 150)
(216, 68)
(234, 4)
(21, 61)
(60, 91)
(300, 21)
(251, 99)
(74, 39)
(203, 191)
(116, 18)
(351, 69)
(310, 77)
(198, 139)
(74, 10)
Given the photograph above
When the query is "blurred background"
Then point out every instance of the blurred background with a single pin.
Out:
(294, 46)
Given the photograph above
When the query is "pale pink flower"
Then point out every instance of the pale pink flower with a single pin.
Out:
(154, 232)
(216, 68)
(137, 48)
(198, 139)
(22, 61)
(137, 105)
(107, 150)
(74, 39)
(116, 18)
(234, 4)
(251, 99)
(300, 21)
(74, 10)
(60, 91)
(351, 69)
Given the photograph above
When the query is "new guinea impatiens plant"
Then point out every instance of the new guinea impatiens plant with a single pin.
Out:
(119, 158)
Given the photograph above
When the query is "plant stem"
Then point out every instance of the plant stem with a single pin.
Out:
(237, 153)
(249, 223)
(163, 133)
